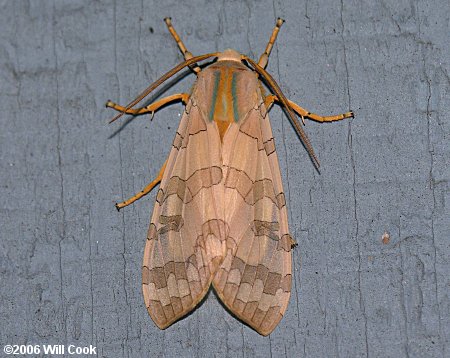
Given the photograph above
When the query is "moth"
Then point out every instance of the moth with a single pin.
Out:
(220, 215)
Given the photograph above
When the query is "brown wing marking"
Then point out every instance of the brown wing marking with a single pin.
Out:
(254, 280)
(184, 245)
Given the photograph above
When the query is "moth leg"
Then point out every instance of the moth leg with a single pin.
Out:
(270, 99)
(187, 55)
(265, 56)
(151, 108)
(145, 191)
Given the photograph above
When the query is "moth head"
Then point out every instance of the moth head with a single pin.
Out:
(229, 55)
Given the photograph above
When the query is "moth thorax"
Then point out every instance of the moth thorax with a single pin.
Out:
(229, 55)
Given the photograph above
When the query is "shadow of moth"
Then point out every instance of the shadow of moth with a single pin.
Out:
(220, 215)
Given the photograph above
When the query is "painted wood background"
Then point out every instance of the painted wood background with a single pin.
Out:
(70, 264)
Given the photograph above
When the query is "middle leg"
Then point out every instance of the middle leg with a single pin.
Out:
(151, 108)
(270, 99)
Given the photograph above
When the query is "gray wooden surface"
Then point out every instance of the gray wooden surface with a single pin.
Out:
(70, 264)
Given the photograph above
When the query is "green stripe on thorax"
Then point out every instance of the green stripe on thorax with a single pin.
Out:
(234, 97)
(214, 95)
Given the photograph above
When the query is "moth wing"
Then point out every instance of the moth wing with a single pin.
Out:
(254, 280)
(183, 245)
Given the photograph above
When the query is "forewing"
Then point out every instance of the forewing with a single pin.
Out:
(184, 241)
(254, 280)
